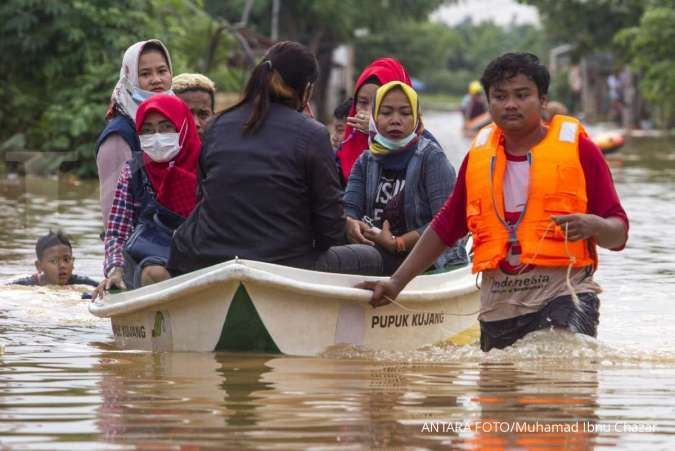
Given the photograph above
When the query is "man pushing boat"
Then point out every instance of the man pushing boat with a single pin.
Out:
(537, 198)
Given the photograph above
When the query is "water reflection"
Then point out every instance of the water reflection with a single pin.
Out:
(236, 401)
(535, 407)
(177, 397)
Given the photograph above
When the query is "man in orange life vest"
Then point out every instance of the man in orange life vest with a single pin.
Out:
(537, 198)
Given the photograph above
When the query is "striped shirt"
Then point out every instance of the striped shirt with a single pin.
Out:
(120, 222)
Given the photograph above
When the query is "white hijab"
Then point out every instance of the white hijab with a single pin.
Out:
(122, 94)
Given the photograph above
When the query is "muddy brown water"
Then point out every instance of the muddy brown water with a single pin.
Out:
(63, 385)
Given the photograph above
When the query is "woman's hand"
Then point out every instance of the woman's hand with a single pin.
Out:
(114, 279)
(355, 230)
(383, 291)
(335, 140)
(360, 122)
(384, 239)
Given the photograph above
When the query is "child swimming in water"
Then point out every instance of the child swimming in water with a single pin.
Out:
(54, 263)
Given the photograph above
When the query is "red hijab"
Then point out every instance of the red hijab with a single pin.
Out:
(174, 182)
(353, 141)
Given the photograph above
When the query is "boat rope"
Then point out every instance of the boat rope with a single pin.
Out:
(568, 279)
(572, 260)
(393, 301)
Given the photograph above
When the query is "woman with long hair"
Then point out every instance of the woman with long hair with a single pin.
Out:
(269, 189)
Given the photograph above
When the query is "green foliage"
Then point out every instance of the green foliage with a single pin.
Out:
(447, 59)
(636, 30)
(589, 24)
(421, 47)
(61, 59)
(560, 89)
(326, 21)
(323, 25)
(338, 19)
(650, 49)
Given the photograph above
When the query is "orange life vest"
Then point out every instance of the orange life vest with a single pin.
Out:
(557, 186)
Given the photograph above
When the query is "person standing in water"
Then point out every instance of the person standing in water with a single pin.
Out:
(538, 198)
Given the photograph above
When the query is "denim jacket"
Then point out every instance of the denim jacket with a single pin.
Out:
(429, 181)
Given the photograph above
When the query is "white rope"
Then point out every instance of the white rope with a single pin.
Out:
(572, 259)
(393, 301)
(568, 278)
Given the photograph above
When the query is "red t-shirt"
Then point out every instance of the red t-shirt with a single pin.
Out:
(450, 222)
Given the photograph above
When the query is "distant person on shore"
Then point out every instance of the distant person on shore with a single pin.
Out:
(55, 263)
(575, 83)
(355, 141)
(537, 199)
(338, 126)
(156, 191)
(616, 101)
(473, 103)
(399, 184)
(199, 92)
(473, 106)
(270, 189)
(146, 71)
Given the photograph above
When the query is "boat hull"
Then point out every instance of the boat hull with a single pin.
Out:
(258, 307)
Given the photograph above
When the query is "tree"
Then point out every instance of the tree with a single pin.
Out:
(588, 24)
(324, 25)
(61, 60)
(650, 50)
(59, 74)
(445, 58)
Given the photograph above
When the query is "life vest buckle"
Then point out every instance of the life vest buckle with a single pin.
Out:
(515, 247)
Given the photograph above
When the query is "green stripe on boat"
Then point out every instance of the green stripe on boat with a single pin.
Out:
(243, 329)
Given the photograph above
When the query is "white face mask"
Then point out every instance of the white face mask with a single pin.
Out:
(161, 147)
(395, 144)
(138, 95)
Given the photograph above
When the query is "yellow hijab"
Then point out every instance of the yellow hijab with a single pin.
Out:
(376, 139)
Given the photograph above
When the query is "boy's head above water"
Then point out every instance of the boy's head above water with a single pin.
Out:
(54, 258)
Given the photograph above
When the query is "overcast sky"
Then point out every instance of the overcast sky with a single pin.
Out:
(501, 12)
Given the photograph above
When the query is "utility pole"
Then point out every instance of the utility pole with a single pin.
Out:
(274, 32)
(246, 13)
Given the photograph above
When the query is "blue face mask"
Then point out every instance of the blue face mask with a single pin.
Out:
(138, 95)
(395, 144)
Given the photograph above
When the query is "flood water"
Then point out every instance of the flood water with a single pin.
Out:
(63, 385)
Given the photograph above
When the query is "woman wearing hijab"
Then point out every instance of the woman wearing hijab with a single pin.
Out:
(156, 191)
(398, 186)
(269, 187)
(355, 141)
(146, 71)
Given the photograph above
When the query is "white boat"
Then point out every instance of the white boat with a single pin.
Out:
(244, 305)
